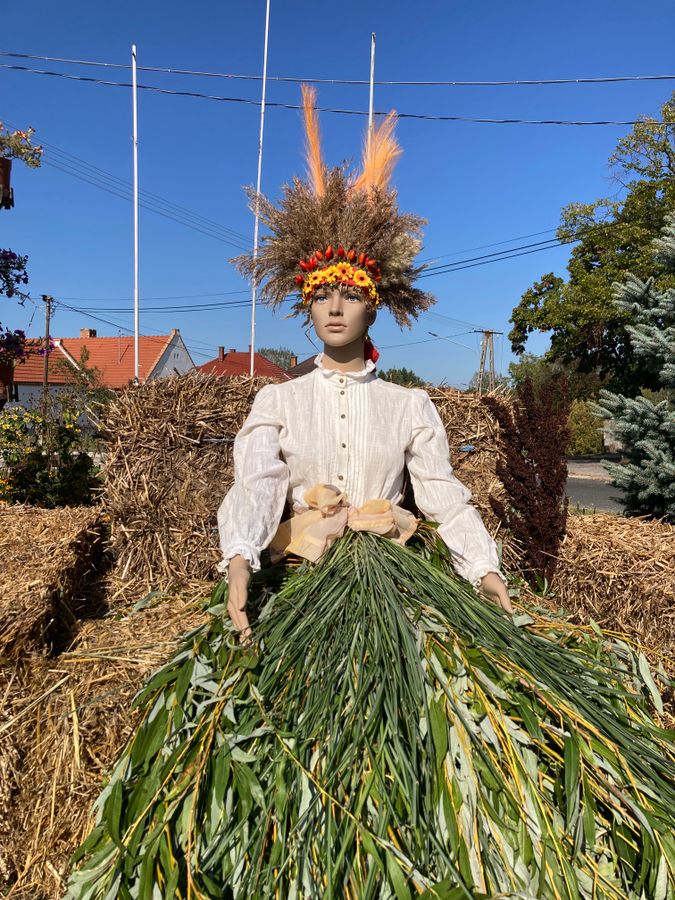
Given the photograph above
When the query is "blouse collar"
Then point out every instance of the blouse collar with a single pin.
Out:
(363, 374)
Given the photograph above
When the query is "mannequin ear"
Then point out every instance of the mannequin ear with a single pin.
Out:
(372, 315)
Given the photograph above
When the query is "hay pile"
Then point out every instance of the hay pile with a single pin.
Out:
(169, 466)
(62, 723)
(473, 440)
(621, 573)
(167, 469)
(46, 554)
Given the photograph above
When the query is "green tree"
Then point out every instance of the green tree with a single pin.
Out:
(280, 356)
(542, 371)
(402, 376)
(13, 273)
(647, 428)
(611, 238)
(501, 381)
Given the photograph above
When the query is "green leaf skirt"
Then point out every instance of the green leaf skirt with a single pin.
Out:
(390, 735)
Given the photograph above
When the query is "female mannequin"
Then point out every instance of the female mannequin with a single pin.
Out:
(383, 731)
(341, 319)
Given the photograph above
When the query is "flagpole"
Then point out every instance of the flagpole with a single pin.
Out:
(372, 85)
(254, 286)
(135, 143)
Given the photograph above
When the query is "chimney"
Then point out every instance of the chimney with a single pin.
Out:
(87, 332)
(294, 361)
(221, 353)
(232, 350)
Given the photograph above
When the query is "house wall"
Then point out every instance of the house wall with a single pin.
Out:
(175, 360)
(30, 395)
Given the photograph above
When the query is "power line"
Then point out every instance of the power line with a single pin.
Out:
(603, 79)
(84, 171)
(121, 327)
(345, 112)
(199, 307)
(521, 237)
(101, 185)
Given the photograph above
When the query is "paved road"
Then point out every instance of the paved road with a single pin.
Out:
(592, 493)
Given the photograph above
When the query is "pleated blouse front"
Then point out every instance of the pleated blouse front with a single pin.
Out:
(358, 433)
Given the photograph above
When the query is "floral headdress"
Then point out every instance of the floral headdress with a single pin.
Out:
(340, 228)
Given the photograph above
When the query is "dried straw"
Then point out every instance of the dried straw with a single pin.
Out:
(619, 572)
(46, 554)
(167, 468)
(62, 724)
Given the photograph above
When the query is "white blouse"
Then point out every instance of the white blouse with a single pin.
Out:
(356, 432)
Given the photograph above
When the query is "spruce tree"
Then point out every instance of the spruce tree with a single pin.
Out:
(646, 428)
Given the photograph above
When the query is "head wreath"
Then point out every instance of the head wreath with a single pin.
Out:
(338, 228)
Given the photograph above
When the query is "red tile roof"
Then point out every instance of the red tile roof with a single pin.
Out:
(239, 363)
(112, 356)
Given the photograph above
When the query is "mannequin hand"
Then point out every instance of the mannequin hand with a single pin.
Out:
(492, 587)
(238, 577)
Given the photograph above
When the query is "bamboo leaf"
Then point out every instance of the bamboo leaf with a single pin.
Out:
(397, 878)
(649, 682)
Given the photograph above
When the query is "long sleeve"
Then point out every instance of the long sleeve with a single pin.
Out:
(442, 498)
(249, 515)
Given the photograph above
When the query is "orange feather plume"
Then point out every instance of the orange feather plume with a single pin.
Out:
(380, 153)
(315, 166)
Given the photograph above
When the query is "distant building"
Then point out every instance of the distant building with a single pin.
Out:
(296, 369)
(113, 357)
(235, 362)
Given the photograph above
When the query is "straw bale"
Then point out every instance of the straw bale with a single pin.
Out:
(473, 441)
(169, 465)
(167, 468)
(46, 554)
(620, 572)
(63, 723)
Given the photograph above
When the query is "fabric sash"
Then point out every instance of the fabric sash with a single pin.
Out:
(328, 514)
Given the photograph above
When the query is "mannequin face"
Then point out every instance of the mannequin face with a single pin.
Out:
(341, 315)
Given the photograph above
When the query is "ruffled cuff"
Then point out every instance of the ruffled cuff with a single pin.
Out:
(477, 571)
(246, 550)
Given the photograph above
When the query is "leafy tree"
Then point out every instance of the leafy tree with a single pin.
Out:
(612, 238)
(402, 376)
(280, 356)
(13, 274)
(647, 428)
(585, 429)
(501, 381)
(542, 371)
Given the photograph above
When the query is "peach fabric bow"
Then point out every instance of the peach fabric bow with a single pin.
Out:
(311, 532)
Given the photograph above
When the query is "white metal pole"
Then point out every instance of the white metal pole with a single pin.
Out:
(254, 286)
(372, 85)
(135, 142)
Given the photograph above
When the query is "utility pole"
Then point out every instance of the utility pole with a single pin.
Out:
(254, 283)
(134, 103)
(487, 350)
(45, 373)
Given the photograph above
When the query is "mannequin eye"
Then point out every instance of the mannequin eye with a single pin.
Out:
(353, 298)
(319, 298)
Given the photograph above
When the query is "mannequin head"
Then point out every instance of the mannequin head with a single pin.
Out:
(341, 317)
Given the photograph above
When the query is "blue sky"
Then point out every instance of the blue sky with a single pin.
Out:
(477, 184)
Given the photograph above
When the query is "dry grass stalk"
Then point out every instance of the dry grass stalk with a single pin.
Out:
(468, 423)
(167, 469)
(63, 723)
(45, 553)
(620, 573)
